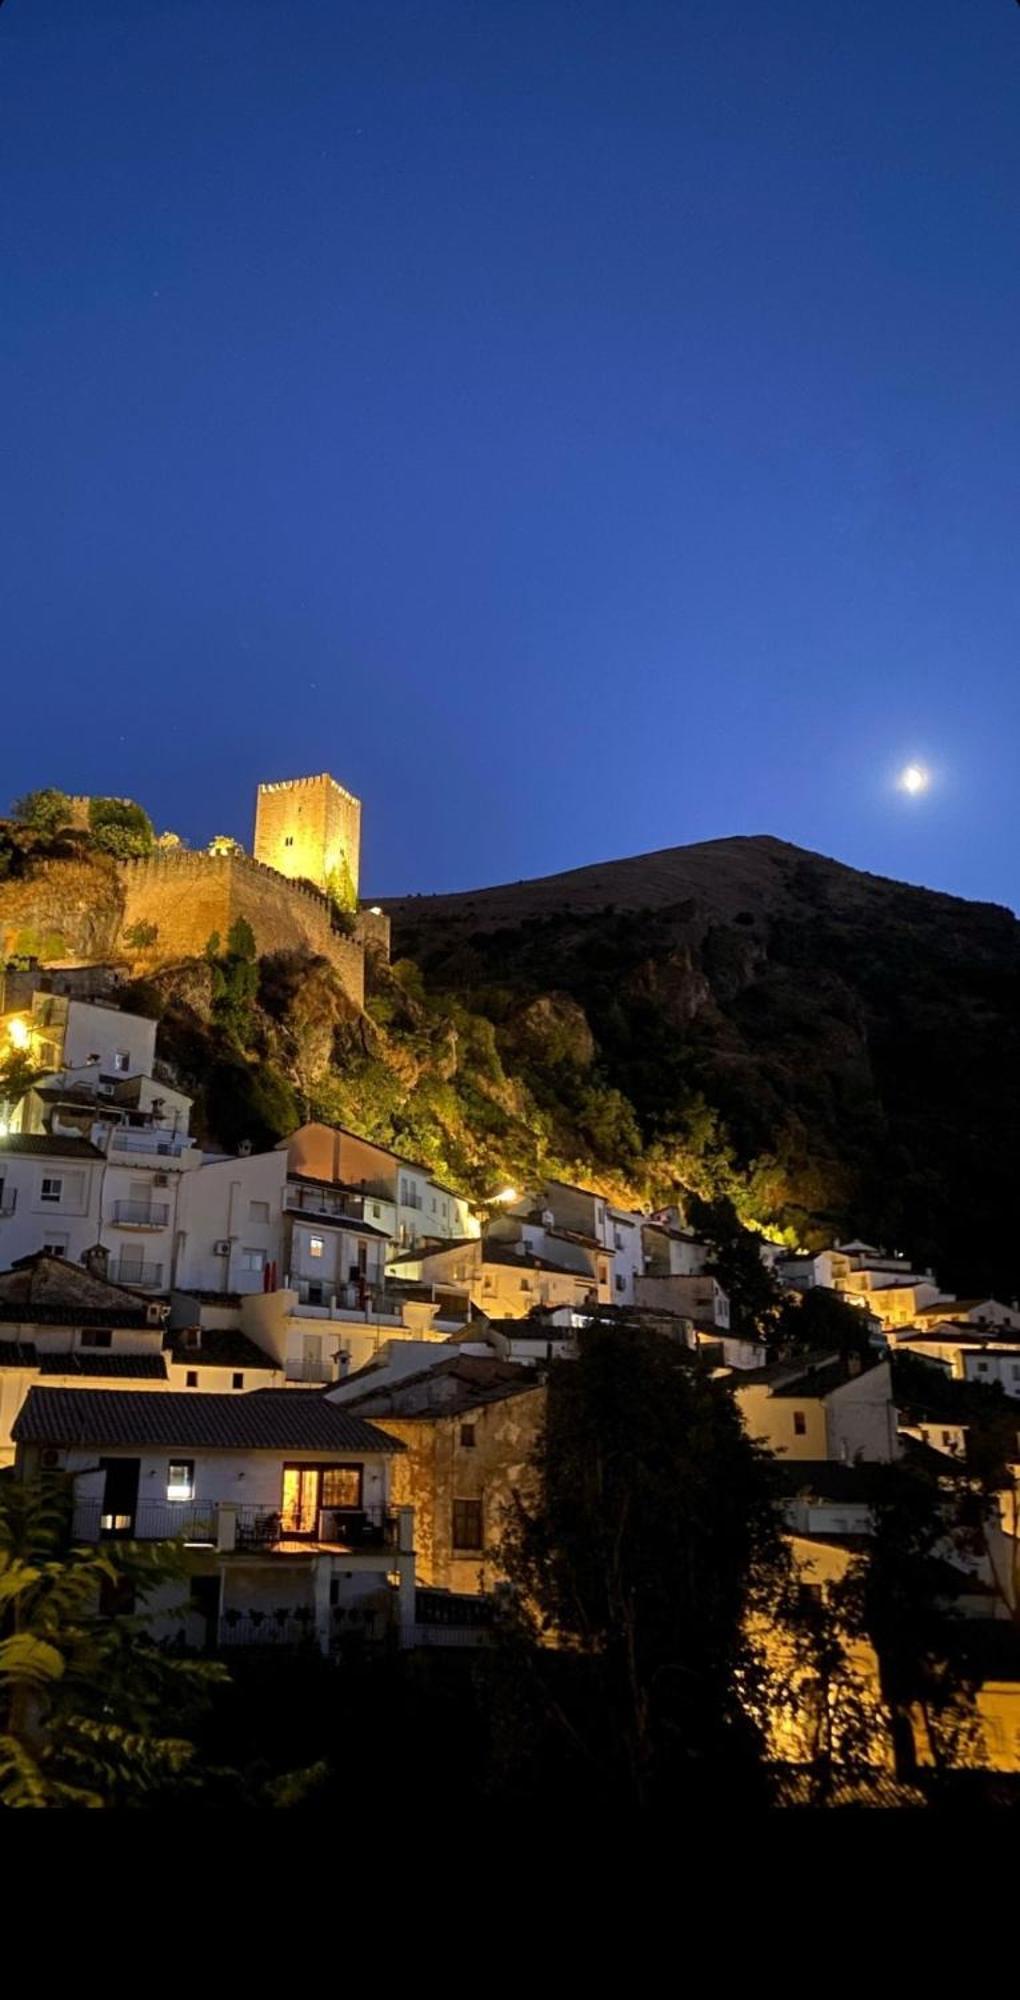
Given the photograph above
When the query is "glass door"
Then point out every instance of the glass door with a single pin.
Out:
(300, 1510)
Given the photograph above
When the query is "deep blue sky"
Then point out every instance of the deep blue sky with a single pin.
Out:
(580, 425)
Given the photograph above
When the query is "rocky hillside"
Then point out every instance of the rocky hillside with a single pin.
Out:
(838, 1047)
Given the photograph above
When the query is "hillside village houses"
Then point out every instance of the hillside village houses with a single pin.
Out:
(326, 1368)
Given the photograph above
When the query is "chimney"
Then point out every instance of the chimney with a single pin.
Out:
(97, 1261)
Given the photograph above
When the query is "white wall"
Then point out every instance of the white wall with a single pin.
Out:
(70, 1222)
(105, 1032)
(239, 1202)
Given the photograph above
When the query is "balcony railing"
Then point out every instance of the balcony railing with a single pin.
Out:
(145, 1277)
(351, 1528)
(167, 1144)
(141, 1214)
(148, 1521)
(302, 1370)
(249, 1529)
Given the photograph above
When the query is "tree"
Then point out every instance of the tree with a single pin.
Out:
(120, 827)
(820, 1318)
(44, 811)
(898, 1594)
(85, 1698)
(755, 1297)
(633, 1555)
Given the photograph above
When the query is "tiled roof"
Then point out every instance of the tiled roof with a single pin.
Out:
(463, 1382)
(506, 1255)
(262, 1420)
(56, 1292)
(218, 1347)
(17, 1354)
(136, 1367)
(25, 1313)
(42, 1145)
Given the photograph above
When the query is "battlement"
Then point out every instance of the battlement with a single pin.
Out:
(310, 828)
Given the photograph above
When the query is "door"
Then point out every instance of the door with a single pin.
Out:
(120, 1496)
(300, 1511)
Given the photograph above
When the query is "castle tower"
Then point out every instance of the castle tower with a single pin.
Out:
(311, 827)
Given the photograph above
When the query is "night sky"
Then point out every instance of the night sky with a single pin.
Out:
(582, 426)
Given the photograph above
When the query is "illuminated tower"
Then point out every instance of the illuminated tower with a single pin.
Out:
(311, 827)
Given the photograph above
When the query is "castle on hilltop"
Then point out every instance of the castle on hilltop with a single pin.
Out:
(299, 892)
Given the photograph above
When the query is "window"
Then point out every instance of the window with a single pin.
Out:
(467, 1524)
(620, 1284)
(57, 1247)
(253, 1260)
(180, 1479)
(237, 1381)
(376, 1210)
(191, 1379)
(525, 1284)
(799, 1424)
(52, 1188)
(288, 840)
(121, 1062)
(258, 1211)
(316, 1246)
(467, 1434)
(982, 1367)
(96, 1336)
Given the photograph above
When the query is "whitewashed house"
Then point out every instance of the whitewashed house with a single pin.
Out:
(63, 1324)
(282, 1497)
(822, 1406)
(50, 1195)
(251, 1223)
(402, 1197)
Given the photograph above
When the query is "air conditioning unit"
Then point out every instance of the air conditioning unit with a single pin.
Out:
(221, 1249)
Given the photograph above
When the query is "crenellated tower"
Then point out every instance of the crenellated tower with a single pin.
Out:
(311, 827)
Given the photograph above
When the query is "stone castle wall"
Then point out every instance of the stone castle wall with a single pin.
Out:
(81, 909)
(188, 896)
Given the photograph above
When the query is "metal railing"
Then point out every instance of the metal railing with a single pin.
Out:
(321, 1370)
(148, 1521)
(268, 1628)
(148, 1276)
(142, 1214)
(350, 1528)
(166, 1144)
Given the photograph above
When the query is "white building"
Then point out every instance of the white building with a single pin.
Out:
(967, 1355)
(422, 1208)
(283, 1498)
(50, 1196)
(61, 1324)
(325, 1343)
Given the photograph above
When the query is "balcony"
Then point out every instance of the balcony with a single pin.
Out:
(141, 1214)
(249, 1530)
(164, 1144)
(138, 1276)
(303, 1369)
(354, 1530)
(151, 1521)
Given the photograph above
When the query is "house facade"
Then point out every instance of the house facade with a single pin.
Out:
(284, 1501)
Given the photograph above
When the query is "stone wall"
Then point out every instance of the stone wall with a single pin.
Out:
(309, 828)
(437, 1468)
(65, 910)
(189, 896)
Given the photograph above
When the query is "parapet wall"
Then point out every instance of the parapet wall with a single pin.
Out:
(80, 910)
(189, 896)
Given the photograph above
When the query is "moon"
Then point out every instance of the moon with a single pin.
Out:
(913, 779)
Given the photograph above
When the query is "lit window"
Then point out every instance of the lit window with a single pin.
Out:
(799, 1424)
(180, 1482)
(316, 1246)
(258, 1211)
(253, 1260)
(52, 1188)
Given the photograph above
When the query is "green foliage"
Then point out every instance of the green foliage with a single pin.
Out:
(121, 828)
(84, 1698)
(340, 888)
(242, 1102)
(44, 811)
(820, 1318)
(141, 936)
(17, 1074)
(644, 1538)
(755, 1297)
